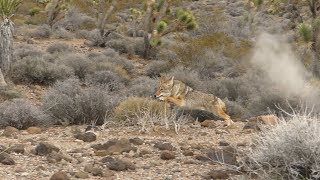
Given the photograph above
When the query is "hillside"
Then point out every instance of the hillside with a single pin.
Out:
(80, 100)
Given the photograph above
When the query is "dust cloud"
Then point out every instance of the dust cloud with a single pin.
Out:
(274, 57)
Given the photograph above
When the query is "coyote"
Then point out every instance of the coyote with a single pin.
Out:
(178, 93)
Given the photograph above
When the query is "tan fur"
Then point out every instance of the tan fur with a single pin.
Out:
(178, 93)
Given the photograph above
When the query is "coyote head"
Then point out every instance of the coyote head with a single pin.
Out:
(165, 88)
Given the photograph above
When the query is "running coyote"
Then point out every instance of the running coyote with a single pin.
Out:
(178, 93)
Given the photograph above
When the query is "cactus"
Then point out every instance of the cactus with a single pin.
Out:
(159, 20)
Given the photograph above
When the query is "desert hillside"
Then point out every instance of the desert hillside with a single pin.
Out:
(159, 89)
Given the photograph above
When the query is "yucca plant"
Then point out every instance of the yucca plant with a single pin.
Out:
(7, 10)
(305, 32)
(160, 20)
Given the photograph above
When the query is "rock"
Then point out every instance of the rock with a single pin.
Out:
(118, 164)
(209, 124)
(223, 143)
(45, 148)
(81, 175)
(187, 153)
(86, 137)
(60, 176)
(202, 158)
(97, 171)
(167, 155)
(57, 157)
(257, 122)
(88, 168)
(113, 146)
(164, 146)
(144, 152)
(226, 155)
(136, 141)
(108, 173)
(217, 174)
(34, 130)
(17, 148)
(6, 159)
(10, 131)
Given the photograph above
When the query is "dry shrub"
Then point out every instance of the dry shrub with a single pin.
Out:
(142, 87)
(58, 48)
(290, 150)
(38, 71)
(79, 64)
(68, 103)
(21, 114)
(42, 31)
(132, 109)
(108, 79)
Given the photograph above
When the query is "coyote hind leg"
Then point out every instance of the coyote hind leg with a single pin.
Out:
(221, 113)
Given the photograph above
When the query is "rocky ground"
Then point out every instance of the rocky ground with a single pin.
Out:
(124, 152)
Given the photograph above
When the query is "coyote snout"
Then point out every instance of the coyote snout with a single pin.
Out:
(178, 93)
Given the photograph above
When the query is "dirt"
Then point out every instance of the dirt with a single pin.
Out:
(146, 159)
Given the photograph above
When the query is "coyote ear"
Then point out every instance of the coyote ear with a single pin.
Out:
(171, 80)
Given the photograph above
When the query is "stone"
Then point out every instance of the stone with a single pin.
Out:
(209, 124)
(256, 123)
(60, 176)
(81, 175)
(113, 146)
(17, 148)
(116, 164)
(6, 159)
(187, 153)
(227, 155)
(223, 143)
(45, 148)
(218, 174)
(97, 171)
(34, 130)
(164, 146)
(86, 136)
(10, 131)
(167, 155)
(88, 168)
(136, 141)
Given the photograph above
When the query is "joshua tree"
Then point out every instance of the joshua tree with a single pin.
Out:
(7, 10)
(104, 9)
(159, 21)
(54, 9)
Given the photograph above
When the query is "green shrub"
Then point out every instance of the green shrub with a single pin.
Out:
(305, 32)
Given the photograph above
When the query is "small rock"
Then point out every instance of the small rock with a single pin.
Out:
(108, 173)
(45, 148)
(209, 124)
(88, 168)
(144, 152)
(6, 159)
(54, 157)
(10, 131)
(136, 141)
(60, 176)
(97, 171)
(256, 122)
(86, 137)
(34, 130)
(17, 148)
(118, 164)
(187, 153)
(242, 144)
(81, 175)
(167, 155)
(217, 174)
(202, 158)
(113, 146)
(223, 143)
(226, 155)
(164, 146)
